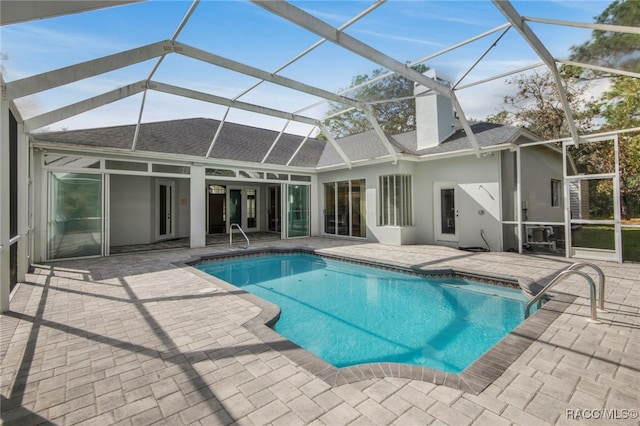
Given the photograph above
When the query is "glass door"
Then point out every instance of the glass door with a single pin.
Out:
(251, 203)
(446, 213)
(593, 218)
(592, 191)
(345, 208)
(273, 211)
(297, 211)
(235, 207)
(358, 208)
(75, 219)
(165, 211)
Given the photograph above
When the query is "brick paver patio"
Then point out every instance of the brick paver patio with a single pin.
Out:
(141, 339)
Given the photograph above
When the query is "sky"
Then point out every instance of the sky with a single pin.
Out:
(406, 30)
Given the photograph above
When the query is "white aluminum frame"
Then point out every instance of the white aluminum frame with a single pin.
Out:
(12, 13)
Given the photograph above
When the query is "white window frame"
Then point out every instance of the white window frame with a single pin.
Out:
(395, 200)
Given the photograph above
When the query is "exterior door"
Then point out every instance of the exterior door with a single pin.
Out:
(594, 217)
(217, 209)
(75, 217)
(297, 211)
(273, 213)
(446, 212)
(235, 207)
(243, 208)
(165, 209)
(251, 203)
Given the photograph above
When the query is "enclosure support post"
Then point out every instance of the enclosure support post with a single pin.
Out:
(5, 202)
(198, 229)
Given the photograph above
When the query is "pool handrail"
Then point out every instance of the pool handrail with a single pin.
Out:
(231, 235)
(581, 265)
(562, 275)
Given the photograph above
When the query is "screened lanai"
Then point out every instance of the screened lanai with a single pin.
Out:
(287, 67)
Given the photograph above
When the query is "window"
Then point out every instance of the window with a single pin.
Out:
(277, 176)
(169, 168)
(395, 201)
(217, 189)
(73, 162)
(251, 174)
(555, 192)
(133, 166)
(220, 172)
(344, 208)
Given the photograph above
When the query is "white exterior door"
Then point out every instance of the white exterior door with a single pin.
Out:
(445, 211)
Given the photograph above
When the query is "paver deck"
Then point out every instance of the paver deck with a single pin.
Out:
(140, 339)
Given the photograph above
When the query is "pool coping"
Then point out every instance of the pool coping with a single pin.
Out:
(474, 379)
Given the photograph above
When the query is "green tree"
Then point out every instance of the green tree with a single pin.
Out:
(536, 104)
(620, 105)
(620, 108)
(394, 117)
(613, 49)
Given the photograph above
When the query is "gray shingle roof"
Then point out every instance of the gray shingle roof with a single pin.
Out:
(487, 134)
(251, 144)
(193, 137)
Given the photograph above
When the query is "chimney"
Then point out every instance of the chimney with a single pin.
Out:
(435, 119)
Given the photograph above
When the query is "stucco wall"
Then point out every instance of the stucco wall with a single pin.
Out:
(478, 199)
(539, 165)
(183, 221)
(130, 210)
(133, 209)
(384, 234)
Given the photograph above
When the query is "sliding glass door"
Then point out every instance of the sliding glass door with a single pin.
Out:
(345, 208)
(75, 220)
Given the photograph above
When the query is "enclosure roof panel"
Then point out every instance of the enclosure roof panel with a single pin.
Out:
(269, 59)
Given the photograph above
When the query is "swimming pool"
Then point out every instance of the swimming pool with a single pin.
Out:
(350, 314)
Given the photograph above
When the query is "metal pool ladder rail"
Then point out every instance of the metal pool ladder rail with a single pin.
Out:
(573, 269)
(235, 225)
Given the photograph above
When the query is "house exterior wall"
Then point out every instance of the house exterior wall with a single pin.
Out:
(477, 188)
(508, 171)
(540, 164)
(183, 203)
(477, 183)
(484, 193)
(133, 205)
(131, 210)
(385, 234)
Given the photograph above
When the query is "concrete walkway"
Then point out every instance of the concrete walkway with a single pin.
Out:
(139, 339)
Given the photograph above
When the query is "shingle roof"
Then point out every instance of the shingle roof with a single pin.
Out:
(193, 137)
(366, 145)
(251, 144)
(487, 134)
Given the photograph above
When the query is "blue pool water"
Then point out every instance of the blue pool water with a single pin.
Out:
(351, 314)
